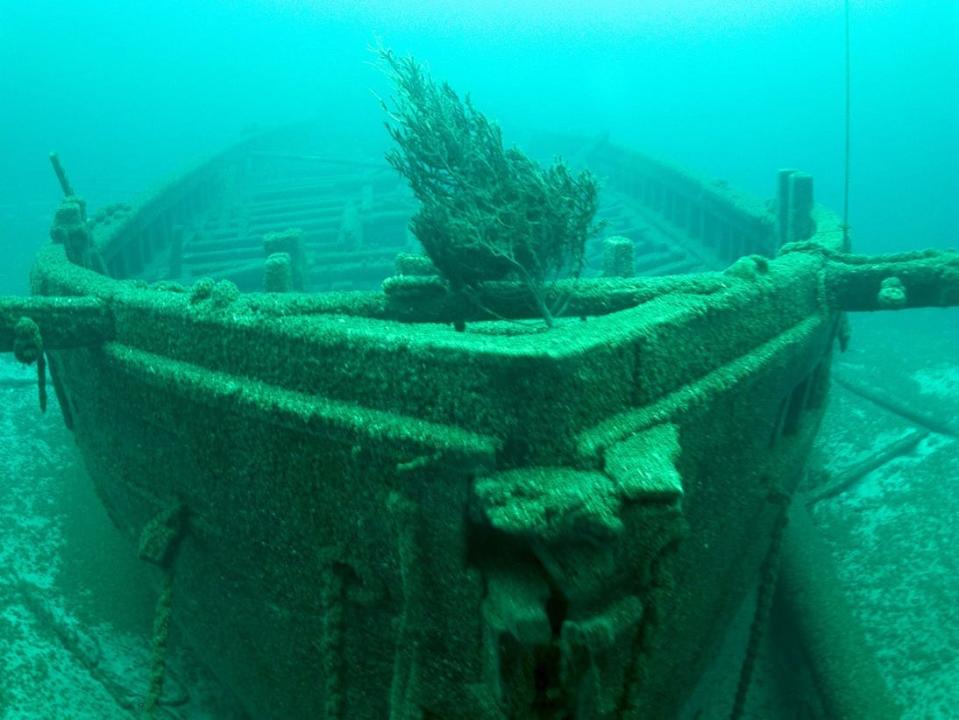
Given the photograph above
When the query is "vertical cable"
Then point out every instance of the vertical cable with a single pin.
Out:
(845, 198)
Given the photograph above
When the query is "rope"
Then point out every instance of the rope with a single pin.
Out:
(161, 633)
(764, 600)
(159, 540)
(845, 190)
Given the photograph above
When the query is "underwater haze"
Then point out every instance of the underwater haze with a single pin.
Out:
(131, 93)
(688, 481)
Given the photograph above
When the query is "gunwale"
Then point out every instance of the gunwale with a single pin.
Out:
(173, 347)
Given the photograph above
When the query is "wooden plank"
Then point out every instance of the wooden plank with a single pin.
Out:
(64, 322)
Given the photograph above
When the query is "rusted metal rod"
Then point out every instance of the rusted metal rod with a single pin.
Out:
(923, 418)
(849, 476)
(61, 175)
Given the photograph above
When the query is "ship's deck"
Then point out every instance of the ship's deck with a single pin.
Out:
(352, 214)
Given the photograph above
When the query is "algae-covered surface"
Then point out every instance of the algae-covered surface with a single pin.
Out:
(894, 532)
(77, 606)
(891, 531)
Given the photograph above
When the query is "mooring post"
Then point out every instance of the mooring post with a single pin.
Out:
(794, 207)
(278, 273)
(618, 257)
(800, 222)
(290, 243)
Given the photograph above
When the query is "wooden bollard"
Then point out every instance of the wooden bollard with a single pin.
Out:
(278, 275)
(800, 223)
(782, 205)
(289, 242)
(795, 202)
(619, 257)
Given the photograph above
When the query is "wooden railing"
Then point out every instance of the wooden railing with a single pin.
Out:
(712, 220)
(158, 223)
(726, 224)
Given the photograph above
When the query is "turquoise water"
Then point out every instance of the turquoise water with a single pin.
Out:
(131, 93)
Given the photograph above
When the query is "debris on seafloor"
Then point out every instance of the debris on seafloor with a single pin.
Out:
(57, 658)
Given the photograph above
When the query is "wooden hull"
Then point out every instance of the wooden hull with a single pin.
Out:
(392, 519)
